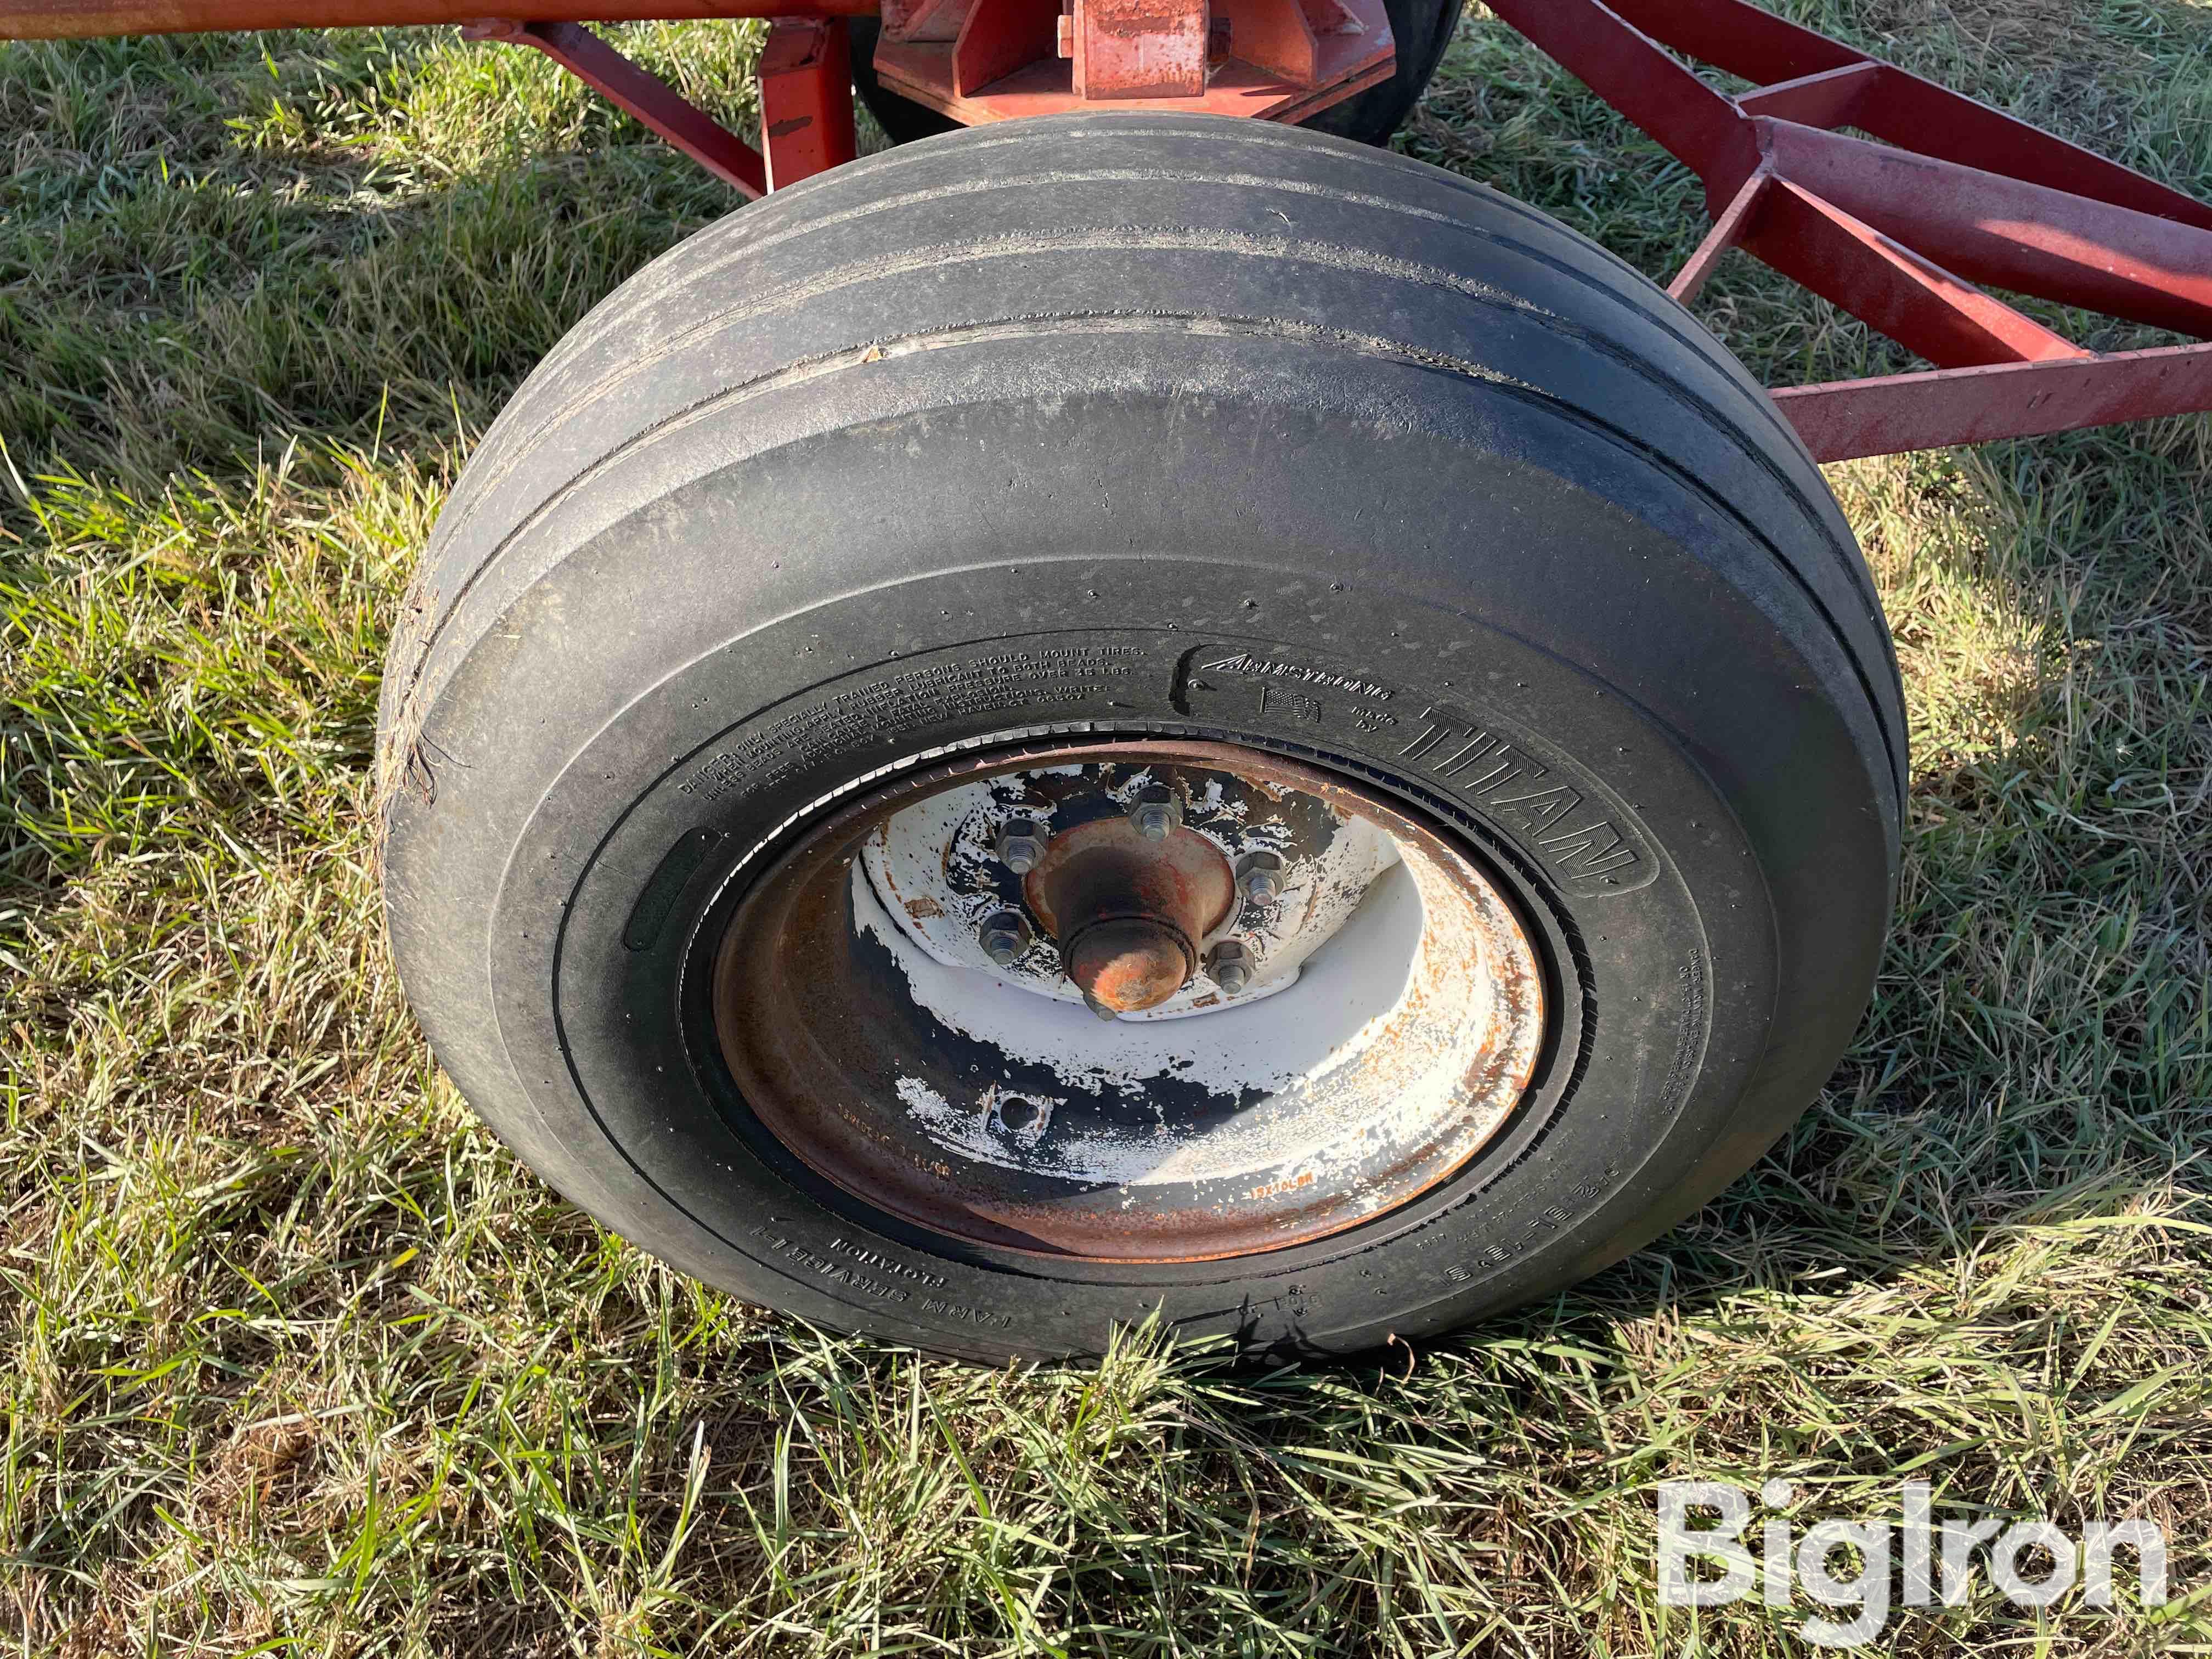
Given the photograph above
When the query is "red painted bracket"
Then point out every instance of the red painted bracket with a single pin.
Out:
(997, 60)
(806, 97)
(1899, 233)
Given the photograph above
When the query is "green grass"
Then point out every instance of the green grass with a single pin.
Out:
(297, 1359)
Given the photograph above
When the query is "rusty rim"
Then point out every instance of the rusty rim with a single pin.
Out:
(1129, 1001)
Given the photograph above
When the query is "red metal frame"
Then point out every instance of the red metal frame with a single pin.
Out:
(84, 20)
(995, 60)
(806, 73)
(806, 99)
(641, 92)
(1898, 233)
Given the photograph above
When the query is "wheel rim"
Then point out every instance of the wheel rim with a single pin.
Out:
(1129, 1001)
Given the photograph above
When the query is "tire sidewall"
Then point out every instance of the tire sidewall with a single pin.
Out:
(1490, 565)
(1642, 1068)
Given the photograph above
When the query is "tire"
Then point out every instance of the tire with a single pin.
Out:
(902, 119)
(836, 492)
(1423, 28)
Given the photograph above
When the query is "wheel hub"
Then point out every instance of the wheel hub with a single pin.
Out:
(1127, 910)
(1228, 1002)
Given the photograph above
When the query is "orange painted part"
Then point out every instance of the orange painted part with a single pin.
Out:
(994, 39)
(1294, 42)
(806, 99)
(1129, 49)
(1006, 64)
(57, 19)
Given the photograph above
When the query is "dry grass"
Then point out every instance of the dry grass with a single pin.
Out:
(298, 1360)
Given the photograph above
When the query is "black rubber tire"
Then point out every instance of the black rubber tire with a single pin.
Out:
(902, 119)
(810, 496)
(1422, 28)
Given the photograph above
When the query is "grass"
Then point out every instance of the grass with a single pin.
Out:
(297, 1360)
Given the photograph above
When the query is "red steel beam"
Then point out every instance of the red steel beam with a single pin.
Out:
(806, 99)
(1898, 233)
(1752, 44)
(1728, 232)
(1639, 77)
(1830, 99)
(1845, 420)
(2008, 233)
(641, 92)
(1913, 301)
(57, 19)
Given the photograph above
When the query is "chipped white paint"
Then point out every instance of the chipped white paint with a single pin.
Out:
(931, 866)
(987, 1109)
(1379, 1051)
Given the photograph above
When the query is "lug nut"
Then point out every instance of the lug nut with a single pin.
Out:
(1229, 964)
(1020, 844)
(1155, 810)
(1004, 936)
(1260, 877)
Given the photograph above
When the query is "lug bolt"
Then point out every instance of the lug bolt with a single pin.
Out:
(1229, 964)
(1098, 1007)
(1260, 877)
(1004, 935)
(1155, 810)
(1020, 844)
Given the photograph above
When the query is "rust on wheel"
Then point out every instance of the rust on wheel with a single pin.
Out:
(1129, 1001)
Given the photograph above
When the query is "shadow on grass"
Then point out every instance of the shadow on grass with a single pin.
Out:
(2031, 1057)
(217, 247)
